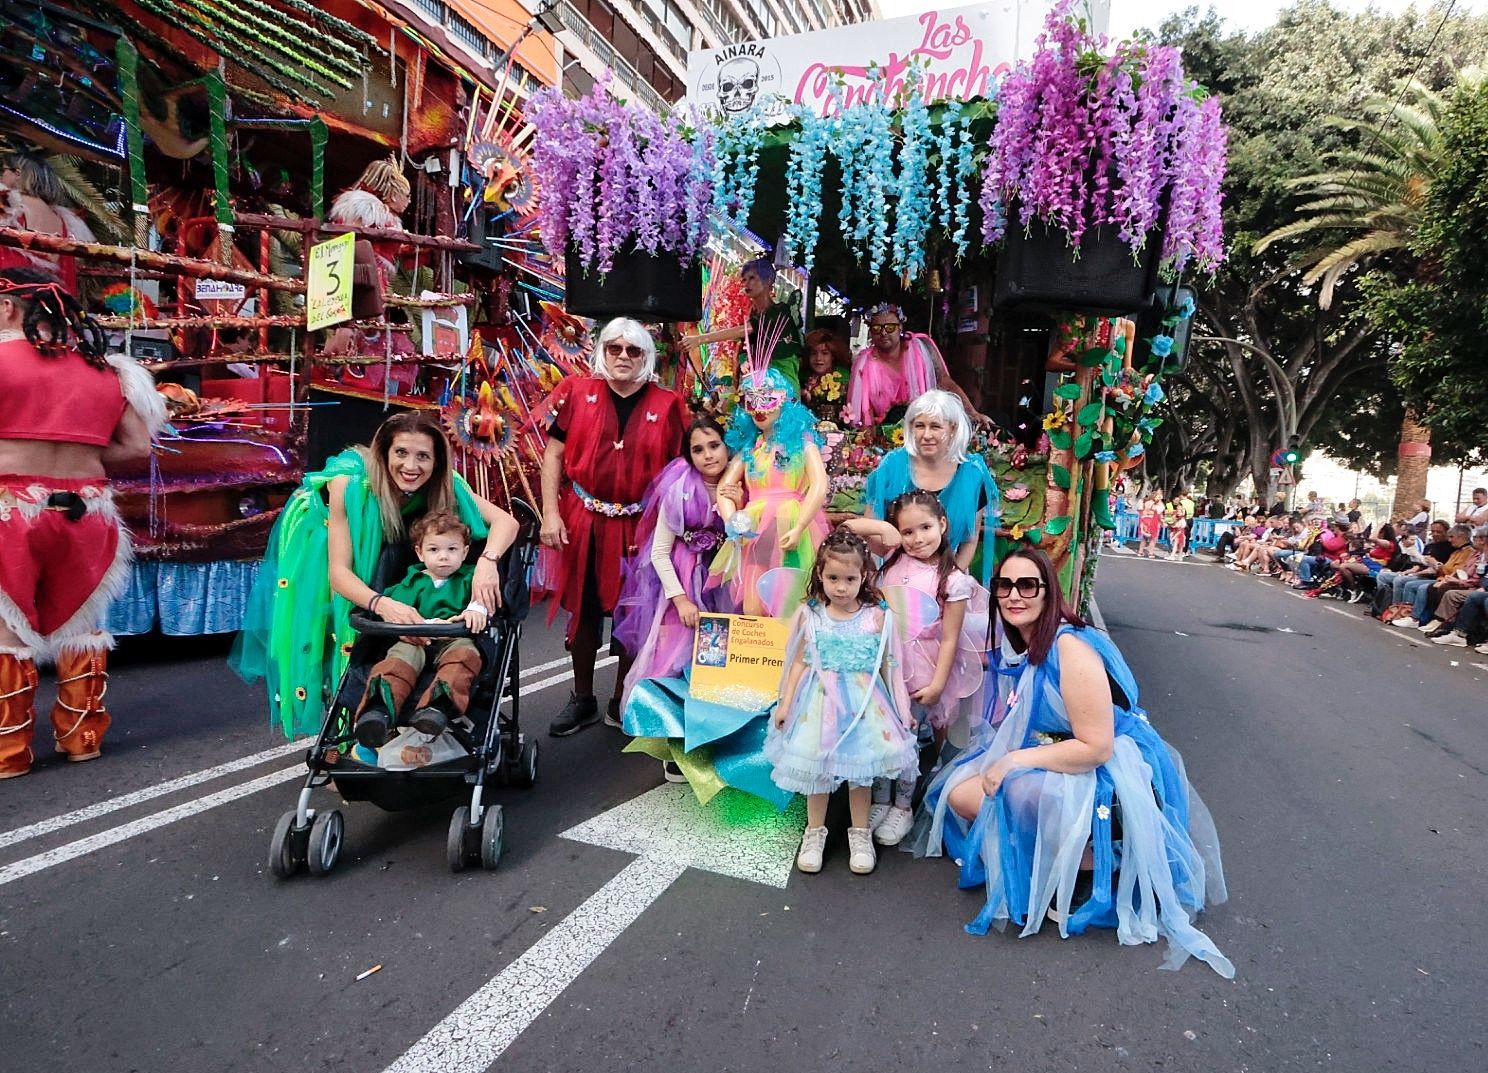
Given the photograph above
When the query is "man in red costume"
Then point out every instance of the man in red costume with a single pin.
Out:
(64, 555)
(611, 433)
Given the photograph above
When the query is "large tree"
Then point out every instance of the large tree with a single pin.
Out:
(1269, 361)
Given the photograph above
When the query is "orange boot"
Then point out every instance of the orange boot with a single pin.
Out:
(17, 711)
(78, 718)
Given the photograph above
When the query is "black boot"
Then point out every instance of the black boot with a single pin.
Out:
(578, 713)
(372, 727)
(433, 718)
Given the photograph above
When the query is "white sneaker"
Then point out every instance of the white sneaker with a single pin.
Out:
(861, 856)
(1428, 624)
(1405, 622)
(893, 827)
(1482, 649)
(877, 812)
(813, 842)
(1453, 639)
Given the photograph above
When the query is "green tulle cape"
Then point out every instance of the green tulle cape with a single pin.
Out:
(297, 635)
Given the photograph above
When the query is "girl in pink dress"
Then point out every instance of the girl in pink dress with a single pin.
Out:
(943, 666)
(1149, 525)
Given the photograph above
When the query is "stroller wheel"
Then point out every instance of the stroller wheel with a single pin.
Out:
(454, 845)
(282, 861)
(493, 836)
(325, 842)
(526, 771)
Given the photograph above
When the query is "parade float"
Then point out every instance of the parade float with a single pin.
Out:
(1028, 222)
(224, 136)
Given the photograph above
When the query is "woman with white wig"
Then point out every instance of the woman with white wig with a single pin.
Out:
(934, 459)
(612, 432)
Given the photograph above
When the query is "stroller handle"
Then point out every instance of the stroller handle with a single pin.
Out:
(368, 624)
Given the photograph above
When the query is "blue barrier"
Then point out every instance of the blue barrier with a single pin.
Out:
(1202, 532)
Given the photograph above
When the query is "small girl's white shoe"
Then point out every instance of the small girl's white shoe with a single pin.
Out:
(890, 831)
(813, 842)
(861, 856)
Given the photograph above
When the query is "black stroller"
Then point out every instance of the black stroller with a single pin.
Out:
(495, 749)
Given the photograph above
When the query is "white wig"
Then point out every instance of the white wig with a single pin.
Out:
(947, 408)
(625, 330)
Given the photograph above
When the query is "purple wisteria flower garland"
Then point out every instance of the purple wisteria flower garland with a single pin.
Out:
(1085, 139)
(612, 177)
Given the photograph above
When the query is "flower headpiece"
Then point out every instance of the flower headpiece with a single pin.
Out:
(885, 307)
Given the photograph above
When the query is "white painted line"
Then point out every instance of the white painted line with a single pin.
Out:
(196, 778)
(149, 793)
(735, 834)
(72, 850)
(471, 1038)
(565, 676)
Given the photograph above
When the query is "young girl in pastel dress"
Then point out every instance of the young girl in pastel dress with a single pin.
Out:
(1149, 525)
(843, 714)
(943, 659)
(1177, 522)
(777, 459)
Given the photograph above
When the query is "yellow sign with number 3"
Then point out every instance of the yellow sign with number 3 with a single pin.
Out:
(328, 284)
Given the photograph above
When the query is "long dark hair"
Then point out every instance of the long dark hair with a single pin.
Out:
(843, 541)
(439, 490)
(1056, 612)
(44, 304)
(700, 423)
(945, 559)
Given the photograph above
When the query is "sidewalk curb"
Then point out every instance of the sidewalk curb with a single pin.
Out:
(1096, 618)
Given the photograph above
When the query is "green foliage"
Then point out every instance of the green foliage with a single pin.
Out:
(1279, 88)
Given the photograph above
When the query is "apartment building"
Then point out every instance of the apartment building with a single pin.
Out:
(645, 42)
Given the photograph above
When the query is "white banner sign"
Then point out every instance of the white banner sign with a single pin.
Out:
(218, 291)
(961, 52)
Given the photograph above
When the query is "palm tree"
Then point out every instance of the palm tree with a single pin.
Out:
(1367, 208)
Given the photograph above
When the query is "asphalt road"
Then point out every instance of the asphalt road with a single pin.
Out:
(1345, 765)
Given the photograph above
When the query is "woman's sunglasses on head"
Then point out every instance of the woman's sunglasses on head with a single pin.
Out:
(614, 350)
(1028, 587)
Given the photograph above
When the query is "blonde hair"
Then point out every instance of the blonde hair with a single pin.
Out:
(385, 179)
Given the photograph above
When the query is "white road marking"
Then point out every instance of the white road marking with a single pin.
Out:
(196, 778)
(72, 850)
(735, 834)
(565, 676)
(170, 786)
(486, 1024)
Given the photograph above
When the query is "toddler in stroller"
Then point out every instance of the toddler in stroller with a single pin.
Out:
(439, 589)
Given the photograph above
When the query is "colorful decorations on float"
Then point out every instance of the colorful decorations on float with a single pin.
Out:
(614, 176)
(1084, 140)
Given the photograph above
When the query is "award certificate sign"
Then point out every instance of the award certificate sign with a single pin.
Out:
(738, 660)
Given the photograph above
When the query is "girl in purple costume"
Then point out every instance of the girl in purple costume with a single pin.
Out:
(664, 585)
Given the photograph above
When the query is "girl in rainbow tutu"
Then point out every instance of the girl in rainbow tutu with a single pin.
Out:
(777, 458)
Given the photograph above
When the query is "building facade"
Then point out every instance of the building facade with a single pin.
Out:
(645, 42)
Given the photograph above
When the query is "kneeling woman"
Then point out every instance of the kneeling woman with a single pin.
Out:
(1073, 806)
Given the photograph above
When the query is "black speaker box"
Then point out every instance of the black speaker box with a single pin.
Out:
(655, 287)
(1039, 271)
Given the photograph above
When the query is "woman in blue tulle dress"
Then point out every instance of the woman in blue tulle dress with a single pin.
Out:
(1073, 807)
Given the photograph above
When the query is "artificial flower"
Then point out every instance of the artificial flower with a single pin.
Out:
(1162, 346)
(1154, 393)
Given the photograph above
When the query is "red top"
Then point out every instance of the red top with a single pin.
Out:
(612, 468)
(61, 398)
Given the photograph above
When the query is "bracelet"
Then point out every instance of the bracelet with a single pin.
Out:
(491, 558)
(372, 603)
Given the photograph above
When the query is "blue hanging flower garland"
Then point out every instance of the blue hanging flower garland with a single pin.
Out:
(808, 154)
(913, 209)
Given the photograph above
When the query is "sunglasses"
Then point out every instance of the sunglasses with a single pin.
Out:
(614, 350)
(884, 329)
(763, 402)
(1028, 587)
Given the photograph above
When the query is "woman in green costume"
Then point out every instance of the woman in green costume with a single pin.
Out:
(297, 630)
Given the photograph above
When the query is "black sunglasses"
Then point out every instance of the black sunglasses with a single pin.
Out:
(1028, 587)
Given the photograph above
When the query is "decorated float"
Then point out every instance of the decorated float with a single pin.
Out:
(1033, 207)
(225, 137)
